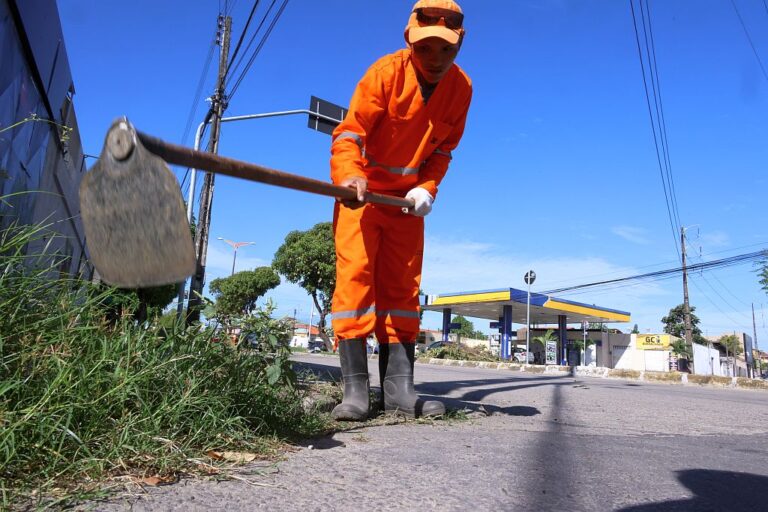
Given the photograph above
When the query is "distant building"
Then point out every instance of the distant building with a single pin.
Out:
(39, 154)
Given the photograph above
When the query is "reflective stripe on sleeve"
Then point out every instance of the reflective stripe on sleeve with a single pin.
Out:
(444, 153)
(349, 135)
(356, 313)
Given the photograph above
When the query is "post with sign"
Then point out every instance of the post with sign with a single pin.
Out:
(446, 324)
(529, 278)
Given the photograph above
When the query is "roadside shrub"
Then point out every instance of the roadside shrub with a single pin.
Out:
(83, 396)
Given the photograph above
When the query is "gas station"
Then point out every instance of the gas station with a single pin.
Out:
(505, 306)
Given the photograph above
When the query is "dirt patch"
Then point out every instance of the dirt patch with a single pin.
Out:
(624, 374)
(709, 379)
(743, 382)
(663, 376)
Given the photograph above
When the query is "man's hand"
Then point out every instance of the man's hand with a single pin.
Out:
(422, 201)
(360, 185)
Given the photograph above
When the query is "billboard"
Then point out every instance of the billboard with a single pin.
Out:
(653, 341)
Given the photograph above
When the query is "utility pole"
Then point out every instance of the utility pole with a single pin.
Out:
(218, 106)
(686, 305)
(755, 364)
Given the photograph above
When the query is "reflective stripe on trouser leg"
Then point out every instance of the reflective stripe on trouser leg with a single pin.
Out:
(353, 310)
(398, 276)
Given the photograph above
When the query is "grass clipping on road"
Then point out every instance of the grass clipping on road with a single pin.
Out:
(84, 398)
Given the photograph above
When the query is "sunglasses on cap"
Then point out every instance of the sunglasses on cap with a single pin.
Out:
(433, 15)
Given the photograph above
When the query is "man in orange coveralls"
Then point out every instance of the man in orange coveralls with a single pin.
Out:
(406, 116)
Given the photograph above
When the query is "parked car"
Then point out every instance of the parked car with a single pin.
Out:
(316, 346)
(519, 355)
(439, 344)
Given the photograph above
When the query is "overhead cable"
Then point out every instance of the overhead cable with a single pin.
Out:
(660, 137)
(749, 38)
(724, 262)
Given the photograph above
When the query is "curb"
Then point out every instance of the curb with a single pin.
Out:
(678, 378)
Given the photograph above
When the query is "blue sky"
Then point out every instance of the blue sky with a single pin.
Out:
(557, 170)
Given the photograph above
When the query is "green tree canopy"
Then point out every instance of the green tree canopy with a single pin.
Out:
(308, 258)
(762, 273)
(732, 344)
(467, 329)
(635, 330)
(237, 295)
(674, 324)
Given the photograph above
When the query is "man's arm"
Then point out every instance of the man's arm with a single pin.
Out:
(349, 138)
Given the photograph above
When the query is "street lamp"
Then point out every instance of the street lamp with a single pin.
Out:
(235, 246)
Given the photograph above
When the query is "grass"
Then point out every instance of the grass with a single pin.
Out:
(87, 394)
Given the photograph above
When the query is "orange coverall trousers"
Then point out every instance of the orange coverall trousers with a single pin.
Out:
(379, 251)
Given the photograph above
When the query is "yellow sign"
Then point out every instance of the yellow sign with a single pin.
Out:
(653, 341)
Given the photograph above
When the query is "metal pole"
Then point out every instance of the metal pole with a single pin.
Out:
(190, 203)
(528, 327)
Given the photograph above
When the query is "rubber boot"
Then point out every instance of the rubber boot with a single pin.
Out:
(399, 395)
(354, 374)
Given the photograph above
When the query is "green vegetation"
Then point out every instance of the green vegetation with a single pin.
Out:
(461, 352)
(308, 258)
(237, 294)
(88, 393)
(674, 324)
(467, 329)
(732, 344)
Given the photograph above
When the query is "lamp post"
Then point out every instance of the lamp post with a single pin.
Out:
(317, 116)
(235, 246)
(529, 278)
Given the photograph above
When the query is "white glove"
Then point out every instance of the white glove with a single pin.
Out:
(422, 201)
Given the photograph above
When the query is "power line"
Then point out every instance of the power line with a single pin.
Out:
(656, 138)
(258, 48)
(660, 274)
(749, 38)
(242, 34)
(234, 67)
(660, 117)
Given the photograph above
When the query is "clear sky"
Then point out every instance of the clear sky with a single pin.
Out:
(557, 170)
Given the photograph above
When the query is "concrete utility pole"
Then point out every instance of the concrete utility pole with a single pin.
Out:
(755, 363)
(686, 306)
(218, 107)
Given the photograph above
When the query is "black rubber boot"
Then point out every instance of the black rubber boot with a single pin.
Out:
(399, 395)
(354, 373)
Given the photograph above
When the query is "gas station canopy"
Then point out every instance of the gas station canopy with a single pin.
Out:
(544, 308)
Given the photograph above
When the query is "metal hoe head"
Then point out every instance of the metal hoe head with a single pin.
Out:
(135, 225)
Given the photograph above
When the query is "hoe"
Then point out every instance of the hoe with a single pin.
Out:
(133, 211)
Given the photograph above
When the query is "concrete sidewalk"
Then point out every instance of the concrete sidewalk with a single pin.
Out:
(611, 373)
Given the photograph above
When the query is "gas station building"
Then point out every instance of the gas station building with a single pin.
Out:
(507, 306)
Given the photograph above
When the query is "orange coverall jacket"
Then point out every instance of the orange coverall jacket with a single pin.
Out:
(397, 141)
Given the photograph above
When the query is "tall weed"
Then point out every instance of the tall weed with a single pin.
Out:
(85, 393)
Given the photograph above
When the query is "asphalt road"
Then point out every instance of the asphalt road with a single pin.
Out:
(531, 443)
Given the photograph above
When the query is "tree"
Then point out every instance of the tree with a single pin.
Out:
(237, 295)
(674, 324)
(762, 273)
(308, 258)
(467, 329)
(635, 330)
(732, 344)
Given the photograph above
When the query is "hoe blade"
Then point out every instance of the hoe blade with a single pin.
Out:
(135, 225)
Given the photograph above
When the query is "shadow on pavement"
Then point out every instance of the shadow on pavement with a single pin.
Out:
(470, 401)
(714, 491)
